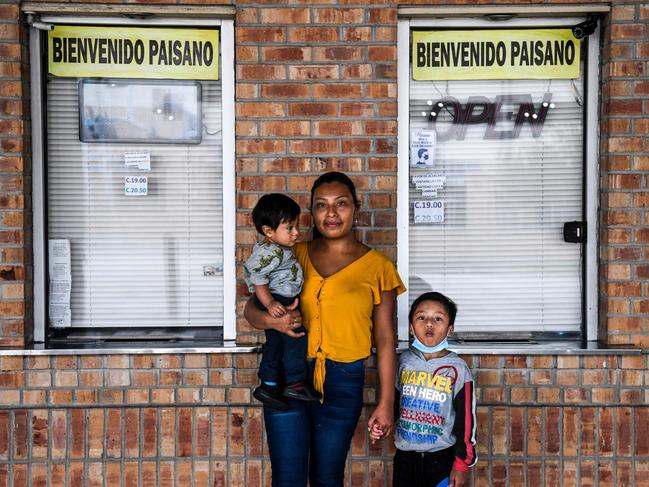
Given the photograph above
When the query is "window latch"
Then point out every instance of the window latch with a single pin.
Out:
(574, 232)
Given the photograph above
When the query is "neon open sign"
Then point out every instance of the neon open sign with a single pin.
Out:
(519, 109)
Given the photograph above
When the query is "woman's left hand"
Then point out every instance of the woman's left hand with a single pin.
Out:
(382, 417)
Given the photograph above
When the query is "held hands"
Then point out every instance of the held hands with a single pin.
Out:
(380, 423)
(275, 309)
(458, 479)
(290, 320)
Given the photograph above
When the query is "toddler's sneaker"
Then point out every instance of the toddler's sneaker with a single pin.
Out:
(301, 392)
(270, 396)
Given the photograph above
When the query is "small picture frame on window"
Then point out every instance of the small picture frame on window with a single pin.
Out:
(140, 111)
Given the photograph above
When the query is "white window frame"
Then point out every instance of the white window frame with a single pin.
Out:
(228, 123)
(591, 150)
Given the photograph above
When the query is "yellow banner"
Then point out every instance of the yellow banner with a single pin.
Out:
(128, 52)
(495, 54)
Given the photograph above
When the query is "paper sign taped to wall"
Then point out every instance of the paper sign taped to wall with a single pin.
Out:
(140, 160)
(429, 211)
(422, 147)
(60, 283)
(136, 186)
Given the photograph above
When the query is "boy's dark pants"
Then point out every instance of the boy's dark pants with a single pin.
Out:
(415, 469)
(284, 357)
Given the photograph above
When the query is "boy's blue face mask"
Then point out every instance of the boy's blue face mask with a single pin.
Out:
(434, 349)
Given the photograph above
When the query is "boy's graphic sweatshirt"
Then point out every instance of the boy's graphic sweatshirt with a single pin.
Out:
(436, 407)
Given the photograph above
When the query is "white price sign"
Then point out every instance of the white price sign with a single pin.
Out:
(137, 160)
(429, 211)
(136, 185)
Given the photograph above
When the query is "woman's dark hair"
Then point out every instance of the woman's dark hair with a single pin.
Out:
(449, 305)
(333, 177)
(274, 209)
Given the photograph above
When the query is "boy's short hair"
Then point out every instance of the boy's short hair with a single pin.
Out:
(448, 303)
(274, 209)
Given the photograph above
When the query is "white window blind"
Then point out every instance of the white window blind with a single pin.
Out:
(500, 252)
(137, 261)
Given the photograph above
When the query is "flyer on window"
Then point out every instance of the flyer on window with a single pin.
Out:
(422, 148)
(60, 283)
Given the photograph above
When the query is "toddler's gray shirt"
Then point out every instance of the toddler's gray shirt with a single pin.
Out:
(276, 266)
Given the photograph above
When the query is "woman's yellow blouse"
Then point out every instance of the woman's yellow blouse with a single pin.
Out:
(337, 310)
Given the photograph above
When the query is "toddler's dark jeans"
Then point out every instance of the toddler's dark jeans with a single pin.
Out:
(284, 357)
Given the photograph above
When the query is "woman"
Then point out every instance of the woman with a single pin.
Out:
(348, 299)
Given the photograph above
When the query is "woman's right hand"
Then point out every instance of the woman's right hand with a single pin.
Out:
(286, 323)
(291, 320)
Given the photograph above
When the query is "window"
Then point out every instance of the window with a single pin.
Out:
(137, 178)
(492, 168)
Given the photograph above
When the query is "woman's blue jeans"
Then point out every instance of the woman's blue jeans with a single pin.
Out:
(311, 440)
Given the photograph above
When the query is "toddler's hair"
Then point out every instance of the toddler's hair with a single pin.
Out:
(448, 303)
(272, 210)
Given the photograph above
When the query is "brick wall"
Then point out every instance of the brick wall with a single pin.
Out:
(171, 419)
(316, 91)
(14, 143)
(624, 182)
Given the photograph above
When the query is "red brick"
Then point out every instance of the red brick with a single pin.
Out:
(628, 31)
(333, 128)
(113, 473)
(268, 72)
(626, 69)
(357, 34)
(261, 146)
(285, 90)
(357, 110)
(622, 218)
(641, 88)
(246, 90)
(625, 107)
(338, 53)
(357, 146)
(314, 146)
(9, 13)
(258, 183)
(357, 71)
(113, 442)
(260, 34)
(167, 432)
(184, 441)
(237, 425)
(285, 128)
(284, 16)
(337, 90)
(149, 432)
(312, 109)
(260, 110)
(642, 440)
(57, 475)
(312, 34)
(10, 51)
(382, 53)
(11, 107)
(381, 127)
(285, 53)
(149, 474)
(59, 435)
(625, 144)
(314, 72)
(247, 54)
(10, 88)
